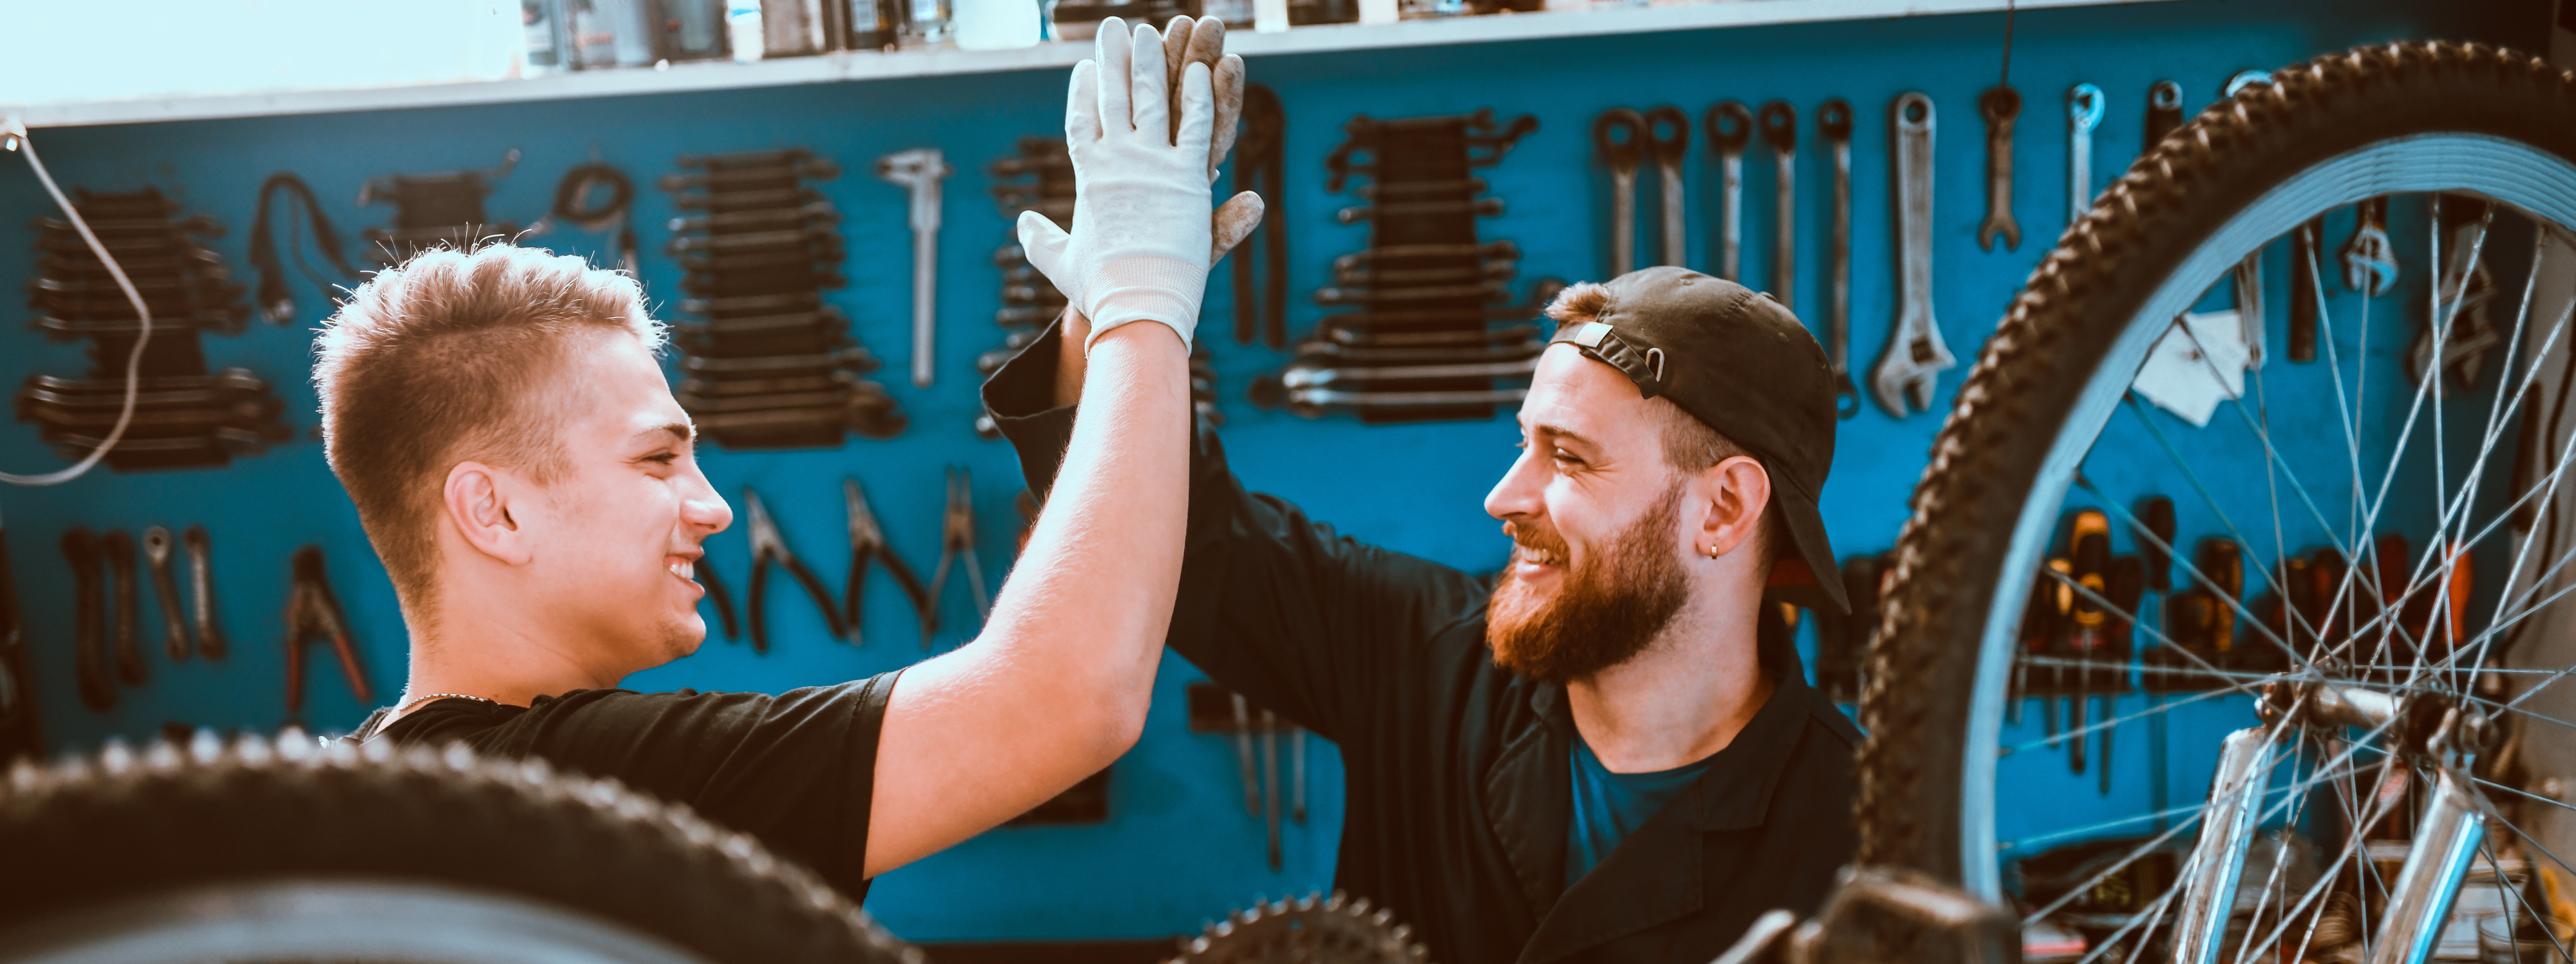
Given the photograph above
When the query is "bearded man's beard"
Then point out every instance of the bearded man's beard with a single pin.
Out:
(1605, 610)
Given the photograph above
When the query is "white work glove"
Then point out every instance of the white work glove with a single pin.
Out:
(1143, 234)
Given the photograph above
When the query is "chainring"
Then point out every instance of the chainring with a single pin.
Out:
(1311, 930)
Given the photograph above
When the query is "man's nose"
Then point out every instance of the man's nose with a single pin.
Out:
(1519, 492)
(701, 507)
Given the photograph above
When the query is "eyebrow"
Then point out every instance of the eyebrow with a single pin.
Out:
(1560, 430)
(679, 431)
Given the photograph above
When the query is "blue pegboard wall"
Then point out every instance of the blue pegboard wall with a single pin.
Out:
(1177, 849)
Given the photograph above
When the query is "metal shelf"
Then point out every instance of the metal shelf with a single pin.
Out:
(838, 68)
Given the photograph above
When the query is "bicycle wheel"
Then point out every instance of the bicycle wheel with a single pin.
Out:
(285, 851)
(2286, 532)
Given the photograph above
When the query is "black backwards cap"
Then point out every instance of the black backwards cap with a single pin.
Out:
(1743, 365)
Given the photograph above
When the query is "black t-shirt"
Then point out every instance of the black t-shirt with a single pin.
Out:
(796, 770)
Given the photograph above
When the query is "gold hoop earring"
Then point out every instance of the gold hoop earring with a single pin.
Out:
(1712, 550)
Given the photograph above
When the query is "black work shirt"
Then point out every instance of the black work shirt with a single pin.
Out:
(1457, 784)
(796, 771)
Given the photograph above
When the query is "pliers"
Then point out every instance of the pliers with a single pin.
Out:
(765, 546)
(868, 542)
(312, 611)
(957, 538)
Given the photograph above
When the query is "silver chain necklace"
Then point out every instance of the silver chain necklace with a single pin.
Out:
(405, 708)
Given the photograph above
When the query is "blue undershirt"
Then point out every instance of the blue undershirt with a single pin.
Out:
(1610, 806)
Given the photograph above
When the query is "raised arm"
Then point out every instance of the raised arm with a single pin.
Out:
(1056, 687)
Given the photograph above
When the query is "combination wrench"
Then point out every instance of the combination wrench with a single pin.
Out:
(1908, 372)
(1730, 127)
(1667, 134)
(1834, 121)
(2084, 103)
(89, 619)
(2164, 112)
(1780, 130)
(1619, 134)
(157, 550)
(201, 588)
(2000, 106)
(128, 593)
(920, 171)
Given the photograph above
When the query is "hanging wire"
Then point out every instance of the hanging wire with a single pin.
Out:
(13, 137)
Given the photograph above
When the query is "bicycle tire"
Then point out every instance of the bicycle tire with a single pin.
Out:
(122, 829)
(1952, 584)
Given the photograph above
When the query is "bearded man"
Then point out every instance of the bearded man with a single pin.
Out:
(1600, 756)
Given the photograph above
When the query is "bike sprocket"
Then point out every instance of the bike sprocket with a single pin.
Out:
(1310, 930)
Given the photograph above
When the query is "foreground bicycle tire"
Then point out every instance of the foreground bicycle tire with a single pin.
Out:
(287, 850)
(2403, 118)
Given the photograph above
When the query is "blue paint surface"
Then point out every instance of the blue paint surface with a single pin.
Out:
(1178, 849)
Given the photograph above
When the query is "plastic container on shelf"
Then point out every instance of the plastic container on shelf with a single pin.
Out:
(997, 24)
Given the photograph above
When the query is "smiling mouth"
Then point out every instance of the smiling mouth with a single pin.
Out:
(1541, 557)
(685, 569)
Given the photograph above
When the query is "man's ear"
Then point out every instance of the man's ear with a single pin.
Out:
(479, 501)
(1738, 490)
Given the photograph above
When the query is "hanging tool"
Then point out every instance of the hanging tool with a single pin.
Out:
(273, 302)
(768, 546)
(157, 550)
(2156, 518)
(89, 618)
(1619, 135)
(2249, 272)
(1297, 774)
(2164, 112)
(2463, 287)
(1834, 121)
(127, 591)
(1667, 136)
(1243, 754)
(311, 611)
(2305, 297)
(706, 571)
(1779, 124)
(1270, 781)
(2088, 636)
(1259, 163)
(1908, 372)
(2369, 259)
(867, 542)
(920, 170)
(2084, 105)
(2000, 106)
(201, 591)
(572, 197)
(1730, 128)
(957, 539)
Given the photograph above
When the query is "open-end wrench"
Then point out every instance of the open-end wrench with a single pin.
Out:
(1243, 754)
(2084, 103)
(2164, 112)
(1730, 127)
(1619, 134)
(920, 171)
(1834, 121)
(1780, 130)
(128, 590)
(1667, 133)
(2249, 272)
(89, 619)
(1270, 780)
(157, 549)
(1999, 106)
(1916, 355)
(201, 588)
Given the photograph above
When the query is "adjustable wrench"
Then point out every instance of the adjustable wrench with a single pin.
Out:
(1907, 372)
(2084, 104)
(157, 546)
(1780, 130)
(89, 619)
(1999, 105)
(1668, 149)
(1834, 121)
(201, 586)
(1620, 152)
(1730, 127)
(920, 170)
(119, 549)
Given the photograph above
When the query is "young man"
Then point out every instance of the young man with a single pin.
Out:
(1595, 758)
(519, 463)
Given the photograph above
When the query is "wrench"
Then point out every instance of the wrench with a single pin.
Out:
(2303, 289)
(1297, 774)
(1270, 780)
(157, 545)
(1834, 121)
(1915, 355)
(2249, 272)
(2164, 111)
(1999, 105)
(1243, 754)
(119, 549)
(1668, 136)
(1621, 155)
(201, 583)
(1780, 130)
(2083, 113)
(89, 619)
(920, 170)
(1730, 127)
(2369, 260)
